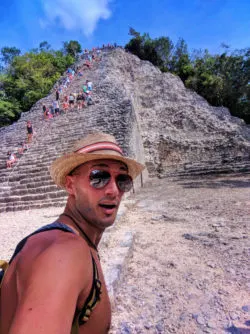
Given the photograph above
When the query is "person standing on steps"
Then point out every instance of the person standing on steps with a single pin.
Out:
(65, 106)
(80, 100)
(57, 95)
(54, 283)
(44, 109)
(71, 101)
(56, 107)
(89, 85)
(29, 132)
(89, 98)
(52, 110)
(84, 88)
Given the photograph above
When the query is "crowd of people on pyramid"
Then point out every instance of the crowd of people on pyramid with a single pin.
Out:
(64, 103)
(68, 102)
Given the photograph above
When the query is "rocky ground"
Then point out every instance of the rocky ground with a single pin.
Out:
(189, 269)
(177, 260)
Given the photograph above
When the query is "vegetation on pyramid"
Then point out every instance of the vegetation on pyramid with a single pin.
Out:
(25, 79)
(222, 79)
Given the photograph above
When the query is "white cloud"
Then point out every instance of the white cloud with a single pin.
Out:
(75, 14)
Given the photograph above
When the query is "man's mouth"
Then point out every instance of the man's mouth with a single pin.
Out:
(108, 208)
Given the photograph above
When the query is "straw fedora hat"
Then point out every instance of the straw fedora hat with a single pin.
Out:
(93, 147)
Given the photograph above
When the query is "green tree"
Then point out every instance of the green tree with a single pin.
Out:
(44, 46)
(144, 47)
(9, 112)
(32, 76)
(29, 77)
(8, 54)
(223, 79)
(61, 62)
(133, 32)
(72, 48)
(180, 63)
(164, 48)
(135, 46)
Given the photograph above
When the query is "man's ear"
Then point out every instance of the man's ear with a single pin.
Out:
(69, 185)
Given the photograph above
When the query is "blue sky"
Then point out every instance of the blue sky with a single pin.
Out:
(202, 23)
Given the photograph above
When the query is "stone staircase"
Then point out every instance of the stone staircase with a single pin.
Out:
(28, 184)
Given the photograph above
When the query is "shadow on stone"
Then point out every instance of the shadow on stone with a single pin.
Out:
(213, 184)
(237, 330)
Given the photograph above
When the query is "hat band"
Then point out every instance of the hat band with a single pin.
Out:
(100, 146)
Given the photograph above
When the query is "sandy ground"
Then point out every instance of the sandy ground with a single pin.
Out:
(188, 271)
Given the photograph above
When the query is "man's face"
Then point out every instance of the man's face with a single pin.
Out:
(98, 206)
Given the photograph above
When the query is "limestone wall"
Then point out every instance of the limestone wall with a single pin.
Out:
(181, 132)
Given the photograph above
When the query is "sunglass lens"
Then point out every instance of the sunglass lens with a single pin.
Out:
(99, 178)
(124, 182)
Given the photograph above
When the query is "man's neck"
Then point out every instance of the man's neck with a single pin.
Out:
(80, 225)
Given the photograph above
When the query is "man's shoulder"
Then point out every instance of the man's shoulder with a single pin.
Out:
(61, 253)
(49, 245)
(54, 266)
(66, 241)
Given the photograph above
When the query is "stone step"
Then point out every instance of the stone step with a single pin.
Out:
(4, 178)
(24, 163)
(33, 197)
(32, 171)
(57, 202)
(5, 190)
(38, 178)
(217, 165)
(27, 176)
(30, 185)
(39, 158)
(208, 171)
(34, 190)
(33, 167)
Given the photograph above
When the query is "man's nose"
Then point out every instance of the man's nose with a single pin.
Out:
(111, 188)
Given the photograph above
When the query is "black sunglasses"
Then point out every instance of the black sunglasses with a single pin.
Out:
(100, 178)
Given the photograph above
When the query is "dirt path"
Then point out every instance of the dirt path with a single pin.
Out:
(189, 271)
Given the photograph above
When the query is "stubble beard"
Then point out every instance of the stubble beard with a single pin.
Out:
(90, 216)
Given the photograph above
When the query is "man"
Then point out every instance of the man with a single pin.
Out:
(71, 101)
(55, 283)
(57, 95)
(89, 85)
(56, 107)
(29, 132)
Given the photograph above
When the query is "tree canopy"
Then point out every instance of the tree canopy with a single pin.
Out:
(8, 54)
(27, 78)
(223, 79)
(72, 48)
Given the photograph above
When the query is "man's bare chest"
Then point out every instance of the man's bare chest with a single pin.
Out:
(99, 320)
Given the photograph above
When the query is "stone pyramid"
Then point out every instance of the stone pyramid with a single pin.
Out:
(155, 119)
